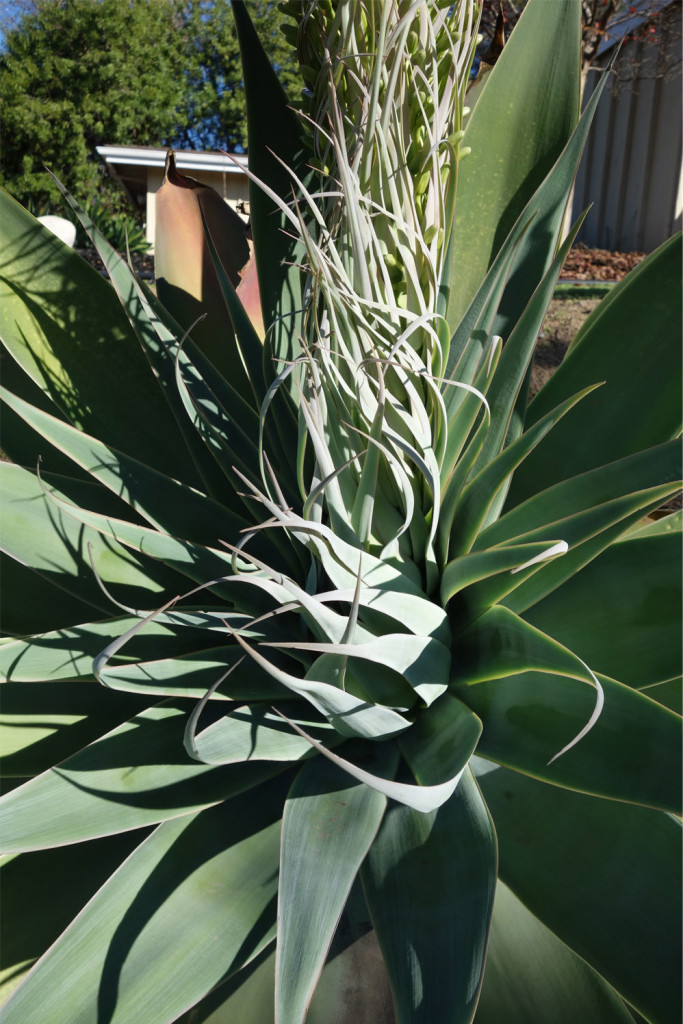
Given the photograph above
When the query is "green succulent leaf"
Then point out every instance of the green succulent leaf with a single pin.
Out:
(429, 880)
(483, 495)
(134, 961)
(39, 532)
(327, 829)
(66, 329)
(69, 717)
(669, 522)
(589, 512)
(277, 589)
(274, 136)
(205, 565)
(159, 336)
(620, 866)
(532, 977)
(68, 654)
(511, 372)
(632, 752)
(669, 694)
(40, 604)
(191, 675)
(618, 612)
(637, 308)
(441, 742)
(254, 732)
(160, 499)
(95, 792)
(518, 128)
(496, 565)
(63, 879)
(249, 996)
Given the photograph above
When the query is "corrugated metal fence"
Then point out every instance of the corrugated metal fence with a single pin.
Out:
(631, 169)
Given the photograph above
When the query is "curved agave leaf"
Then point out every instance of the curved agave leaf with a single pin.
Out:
(350, 715)
(39, 532)
(159, 498)
(527, 717)
(196, 561)
(254, 732)
(67, 654)
(588, 534)
(500, 644)
(441, 742)
(649, 470)
(597, 508)
(158, 335)
(421, 661)
(423, 798)
(351, 429)
(192, 675)
(462, 573)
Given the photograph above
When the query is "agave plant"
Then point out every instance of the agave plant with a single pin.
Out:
(330, 638)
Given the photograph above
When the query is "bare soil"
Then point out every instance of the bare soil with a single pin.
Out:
(565, 316)
(569, 309)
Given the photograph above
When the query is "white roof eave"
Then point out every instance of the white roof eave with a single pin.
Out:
(137, 156)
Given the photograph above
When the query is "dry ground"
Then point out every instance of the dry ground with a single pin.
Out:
(565, 316)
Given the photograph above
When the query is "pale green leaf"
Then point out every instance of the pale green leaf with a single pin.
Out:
(108, 787)
(327, 828)
(126, 958)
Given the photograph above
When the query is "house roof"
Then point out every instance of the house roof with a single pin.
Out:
(130, 165)
(186, 160)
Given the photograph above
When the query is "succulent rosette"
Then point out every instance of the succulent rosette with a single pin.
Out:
(310, 614)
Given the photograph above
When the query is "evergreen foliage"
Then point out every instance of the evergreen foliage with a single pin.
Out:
(77, 75)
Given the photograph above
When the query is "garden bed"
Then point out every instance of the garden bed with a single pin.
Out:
(583, 263)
